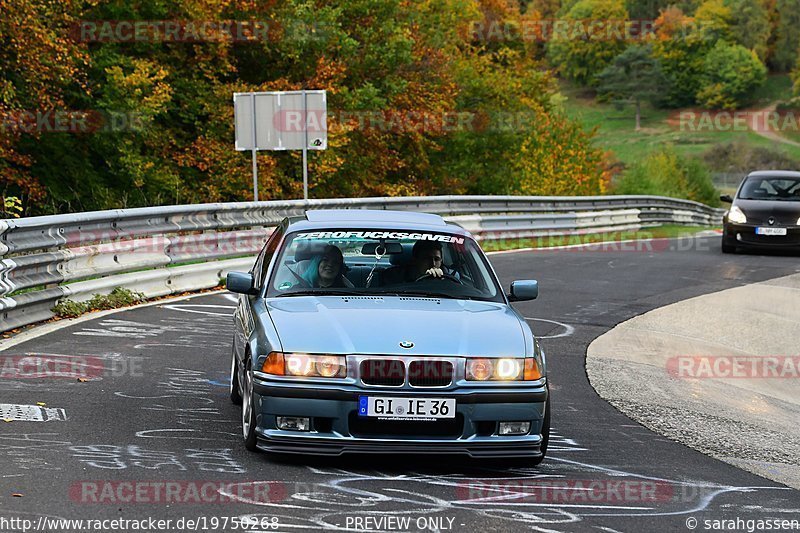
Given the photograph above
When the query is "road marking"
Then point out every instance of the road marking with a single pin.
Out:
(30, 413)
(182, 434)
(568, 330)
(186, 308)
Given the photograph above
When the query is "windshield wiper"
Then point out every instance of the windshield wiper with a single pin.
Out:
(318, 293)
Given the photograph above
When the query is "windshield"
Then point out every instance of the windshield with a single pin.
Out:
(378, 262)
(787, 189)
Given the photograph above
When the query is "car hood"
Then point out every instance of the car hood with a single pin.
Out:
(377, 325)
(759, 211)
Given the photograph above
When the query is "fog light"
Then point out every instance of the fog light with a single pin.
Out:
(294, 423)
(514, 428)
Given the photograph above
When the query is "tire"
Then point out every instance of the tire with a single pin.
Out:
(249, 411)
(235, 388)
(545, 433)
(727, 248)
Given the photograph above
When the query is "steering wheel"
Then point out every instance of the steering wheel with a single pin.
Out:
(448, 277)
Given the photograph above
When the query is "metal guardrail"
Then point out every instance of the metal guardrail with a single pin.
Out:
(167, 250)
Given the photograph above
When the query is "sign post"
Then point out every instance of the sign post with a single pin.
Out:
(287, 120)
(254, 150)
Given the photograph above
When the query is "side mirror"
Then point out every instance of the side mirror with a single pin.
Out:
(726, 198)
(522, 290)
(241, 282)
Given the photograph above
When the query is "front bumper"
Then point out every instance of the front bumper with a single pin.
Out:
(336, 428)
(744, 235)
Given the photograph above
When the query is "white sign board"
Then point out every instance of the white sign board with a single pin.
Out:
(289, 120)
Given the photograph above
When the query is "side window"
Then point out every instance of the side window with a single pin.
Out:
(265, 257)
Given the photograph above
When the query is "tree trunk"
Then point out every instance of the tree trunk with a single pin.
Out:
(638, 115)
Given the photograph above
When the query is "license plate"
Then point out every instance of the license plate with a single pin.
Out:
(407, 408)
(771, 231)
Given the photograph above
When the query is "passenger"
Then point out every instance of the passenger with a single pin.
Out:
(327, 270)
(426, 260)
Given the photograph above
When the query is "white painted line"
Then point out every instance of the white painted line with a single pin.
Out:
(568, 330)
(188, 308)
(30, 413)
(180, 434)
(608, 529)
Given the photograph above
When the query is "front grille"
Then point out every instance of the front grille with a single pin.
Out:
(361, 426)
(430, 373)
(385, 372)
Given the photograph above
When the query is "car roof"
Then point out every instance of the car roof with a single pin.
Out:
(774, 174)
(373, 219)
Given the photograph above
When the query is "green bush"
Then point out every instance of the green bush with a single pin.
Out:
(69, 309)
(731, 74)
(666, 173)
(117, 298)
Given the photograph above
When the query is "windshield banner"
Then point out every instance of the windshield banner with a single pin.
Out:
(394, 235)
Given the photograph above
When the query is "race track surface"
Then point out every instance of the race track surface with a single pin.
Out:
(154, 408)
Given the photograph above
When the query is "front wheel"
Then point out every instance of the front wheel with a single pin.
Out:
(727, 248)
(249, 410)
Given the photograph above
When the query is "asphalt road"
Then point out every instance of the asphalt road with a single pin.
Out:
(153, 407)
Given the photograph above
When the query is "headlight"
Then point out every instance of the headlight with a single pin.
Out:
(503, 369)
(736, 215)
(305, 365)
(330, 366)
(507, 369)
(798, 221)
(479, 369)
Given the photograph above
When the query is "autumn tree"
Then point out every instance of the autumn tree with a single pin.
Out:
(416, 104)
(714, 19)
(38, 65)
(580, 56)
(680, 48)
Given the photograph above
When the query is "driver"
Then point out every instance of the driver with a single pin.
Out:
(426, 260)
